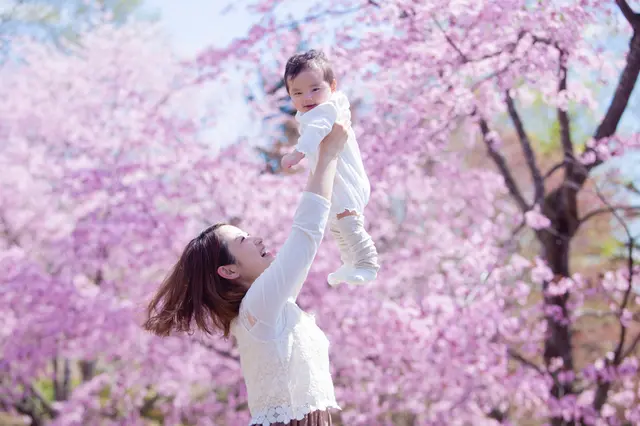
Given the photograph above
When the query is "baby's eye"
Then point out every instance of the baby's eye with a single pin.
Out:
(316, 89)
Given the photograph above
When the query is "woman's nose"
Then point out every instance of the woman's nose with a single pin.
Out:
(258, 241)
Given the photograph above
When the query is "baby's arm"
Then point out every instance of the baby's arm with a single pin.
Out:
(291, 159)
(317, 124)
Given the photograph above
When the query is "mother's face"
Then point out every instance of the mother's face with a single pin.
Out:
(251, 256)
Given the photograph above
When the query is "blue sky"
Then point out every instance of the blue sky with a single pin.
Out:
(203, 24)
(195, 24)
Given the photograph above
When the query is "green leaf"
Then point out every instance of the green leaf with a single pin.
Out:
(46, 387)
(610, 247)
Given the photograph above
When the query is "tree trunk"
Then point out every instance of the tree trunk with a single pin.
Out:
(61, 385)
(88, 370)
(556, 245)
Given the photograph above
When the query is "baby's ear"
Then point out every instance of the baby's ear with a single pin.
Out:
(334, 85)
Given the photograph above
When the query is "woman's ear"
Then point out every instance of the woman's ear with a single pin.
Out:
(334, 85)
(229, 272)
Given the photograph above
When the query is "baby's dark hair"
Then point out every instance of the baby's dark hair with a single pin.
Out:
(303, 61)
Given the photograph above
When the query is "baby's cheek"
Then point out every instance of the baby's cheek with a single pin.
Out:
(323, 97)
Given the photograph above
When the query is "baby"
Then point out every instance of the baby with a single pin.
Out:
(311, 84)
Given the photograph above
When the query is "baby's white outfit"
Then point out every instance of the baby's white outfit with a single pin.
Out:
(351, 190)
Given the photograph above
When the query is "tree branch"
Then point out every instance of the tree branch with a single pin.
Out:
(48, 408)
(569, 195)
(618, 104)
(501, 163)
(28, 407)
(617, 359)
(463, 56)
(509, 47)
(553, 169)
(609, 209)
(544, 40)
(498, 159)
(607, 127)
(311, 18)
(515, 355)
(61, 385)
(603, 387)
(593, 313)
(563, 116)
(525, 143)
(632, 347)
(631, 17)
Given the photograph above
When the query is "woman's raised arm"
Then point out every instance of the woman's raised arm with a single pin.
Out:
(283, 279)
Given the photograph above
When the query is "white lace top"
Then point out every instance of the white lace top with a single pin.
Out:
(283, 353)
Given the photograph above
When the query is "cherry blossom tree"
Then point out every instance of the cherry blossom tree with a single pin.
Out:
(54, 19)
(106, 177)
(103, 180)
(434, 69)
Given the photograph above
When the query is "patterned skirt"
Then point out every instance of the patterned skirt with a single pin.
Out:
(315, 418)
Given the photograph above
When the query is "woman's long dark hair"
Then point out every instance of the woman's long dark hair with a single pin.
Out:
(194, 290)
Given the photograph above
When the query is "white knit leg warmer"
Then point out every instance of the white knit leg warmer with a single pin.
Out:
(360, 258)
(341, 273)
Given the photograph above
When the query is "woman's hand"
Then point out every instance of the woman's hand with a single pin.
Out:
(321, 180)
(333, 144)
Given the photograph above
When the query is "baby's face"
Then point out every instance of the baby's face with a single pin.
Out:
(308, 89)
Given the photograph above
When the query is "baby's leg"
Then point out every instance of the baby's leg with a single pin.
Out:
(362, 251)
(343, 271)
(362, 248)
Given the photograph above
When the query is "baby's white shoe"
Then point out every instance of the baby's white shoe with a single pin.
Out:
(340, 275)
(359, 276)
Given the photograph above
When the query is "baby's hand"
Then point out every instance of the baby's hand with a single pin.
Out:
(291, 159)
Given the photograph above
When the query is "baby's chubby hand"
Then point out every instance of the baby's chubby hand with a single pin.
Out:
(291, 159)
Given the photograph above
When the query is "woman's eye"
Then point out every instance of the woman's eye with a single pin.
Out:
(243, 238)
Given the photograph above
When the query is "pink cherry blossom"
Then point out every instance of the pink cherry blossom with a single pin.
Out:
(535, 219)
(105, 177)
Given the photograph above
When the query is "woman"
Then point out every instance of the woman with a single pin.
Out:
(227, 280)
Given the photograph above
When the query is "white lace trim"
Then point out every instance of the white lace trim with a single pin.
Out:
(285, 414)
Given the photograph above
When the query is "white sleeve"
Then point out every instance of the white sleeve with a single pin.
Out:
(317, 124)
(283, 279)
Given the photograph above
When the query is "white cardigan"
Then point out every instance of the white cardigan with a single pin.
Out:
(283, 353)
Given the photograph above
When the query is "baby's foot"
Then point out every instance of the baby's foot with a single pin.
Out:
(359, 276)
(339, 276)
